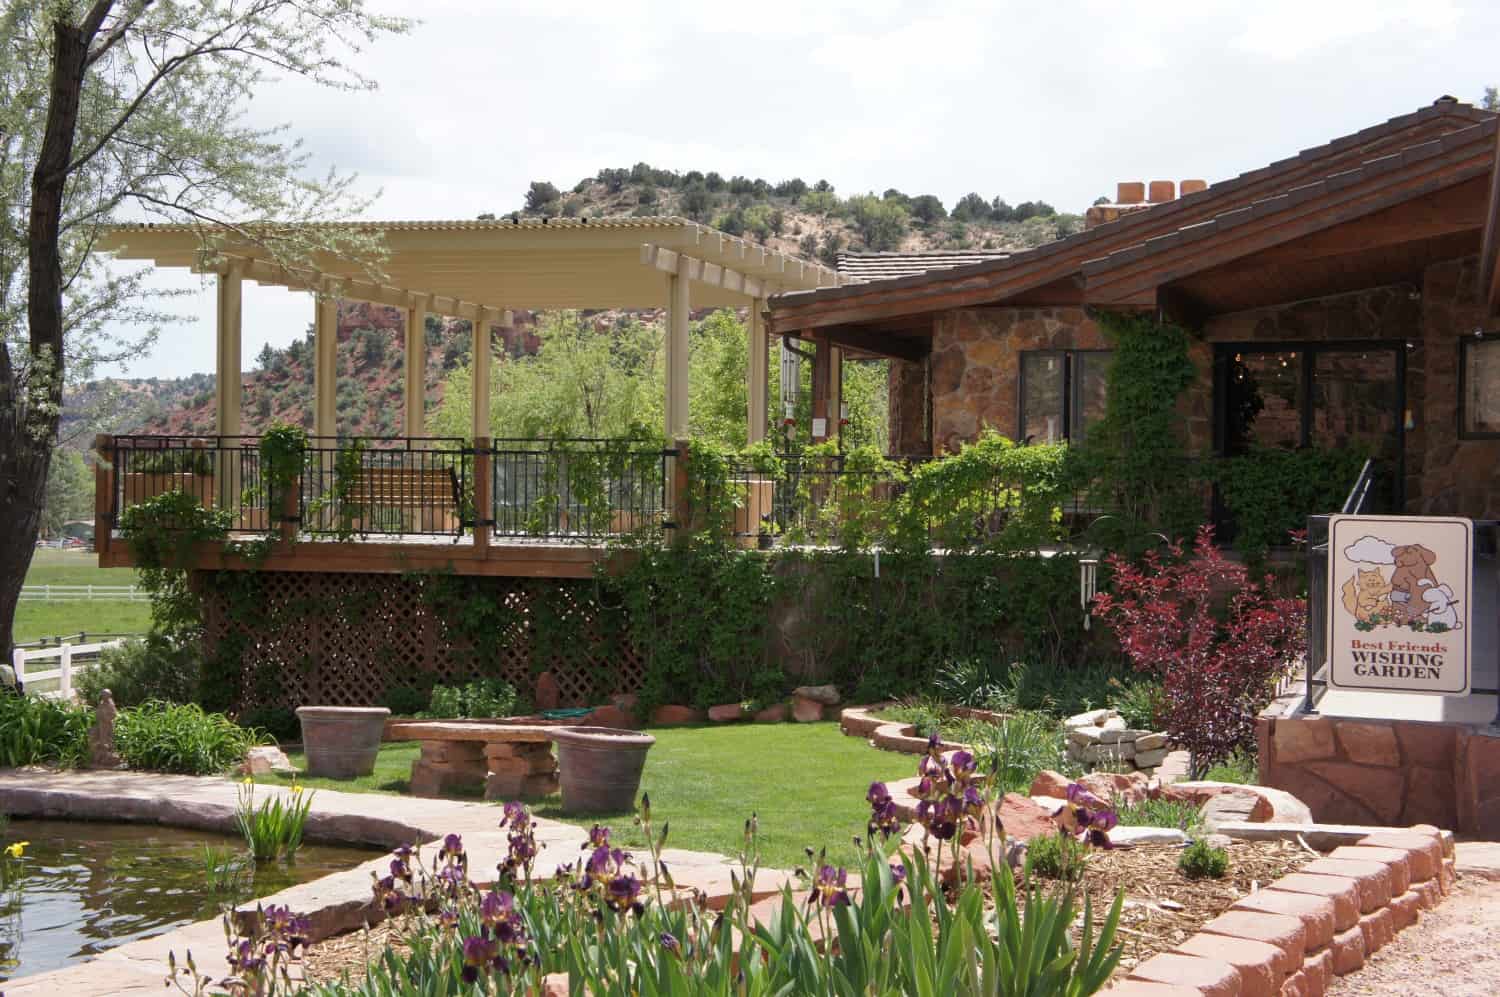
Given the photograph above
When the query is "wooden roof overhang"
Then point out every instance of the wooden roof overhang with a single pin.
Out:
(1379, 223)
(1489, 256)
(462, 266)
(1053, 274)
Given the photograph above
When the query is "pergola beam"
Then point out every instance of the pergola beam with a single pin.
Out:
(670, 261)
(346, 288)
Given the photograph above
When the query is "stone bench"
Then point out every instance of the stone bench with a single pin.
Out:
(505, 761)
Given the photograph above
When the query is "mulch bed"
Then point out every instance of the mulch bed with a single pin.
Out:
(1163, 907)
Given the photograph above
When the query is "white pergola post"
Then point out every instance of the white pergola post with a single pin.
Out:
(228, 384)
(416, 367)
(325, 365)
(481, 374)
(757, 380)
(678, 306)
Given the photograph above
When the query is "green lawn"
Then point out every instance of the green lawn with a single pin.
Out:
(805, 782)
(68, 567)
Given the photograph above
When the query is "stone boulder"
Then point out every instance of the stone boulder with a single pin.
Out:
(266, 760)
(1272, 805)
(776, 713)
(826, 694)
(547, 695)
(726, 713)
(1119, 789)
(805, 710)
(667, 716)
(1050, 783)
(1234, 805)
(610, 716)
(1022, 821)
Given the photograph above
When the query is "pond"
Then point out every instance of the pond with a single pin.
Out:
(81, 888)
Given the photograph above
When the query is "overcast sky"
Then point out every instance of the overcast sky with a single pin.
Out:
(1054, 100)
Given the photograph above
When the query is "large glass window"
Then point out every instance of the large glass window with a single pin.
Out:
(1062, 393)
(1479, 373)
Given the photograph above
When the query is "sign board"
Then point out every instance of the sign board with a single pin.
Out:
(1398, 603)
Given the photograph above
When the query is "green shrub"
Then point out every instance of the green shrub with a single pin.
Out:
(487, 697)
(1270, 492)
(406, 700)
(1015, 748)
(1180, 814)
(167, 737)
(142, 670)
(924, 716)
(1240, 767)
(280, 723)
(273, 830)
(1056, 856)
(1200, 860)
(35, 730)
(1138, 701)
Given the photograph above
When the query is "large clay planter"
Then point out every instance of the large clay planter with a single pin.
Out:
(341, 742)
(600, 768)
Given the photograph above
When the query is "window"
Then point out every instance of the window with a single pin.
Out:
(1062, 393)
(1479, 388)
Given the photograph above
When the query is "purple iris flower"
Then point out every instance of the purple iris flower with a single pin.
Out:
(598, 837)
(829, 887)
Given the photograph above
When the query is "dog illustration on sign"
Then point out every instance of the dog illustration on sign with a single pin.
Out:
(1411, 597)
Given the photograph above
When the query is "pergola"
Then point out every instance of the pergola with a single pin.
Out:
(482, 271)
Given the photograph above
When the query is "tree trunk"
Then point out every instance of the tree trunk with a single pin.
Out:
(31, 401)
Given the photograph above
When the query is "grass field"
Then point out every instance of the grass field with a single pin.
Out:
(806, 784)
(69, 567)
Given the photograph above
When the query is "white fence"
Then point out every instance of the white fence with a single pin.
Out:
(68, 665)
(83, 593)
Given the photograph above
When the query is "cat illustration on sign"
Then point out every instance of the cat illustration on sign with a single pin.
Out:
(1411, 597)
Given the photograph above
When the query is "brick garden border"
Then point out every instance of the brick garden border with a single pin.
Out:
(1291, 938)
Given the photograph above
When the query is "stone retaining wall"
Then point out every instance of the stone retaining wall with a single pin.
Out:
(1291, 938)
(1385, 771)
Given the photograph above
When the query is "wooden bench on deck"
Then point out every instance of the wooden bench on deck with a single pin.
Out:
(505, 761)
(427, 498)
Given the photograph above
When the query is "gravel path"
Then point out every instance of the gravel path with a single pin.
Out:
(1450, 952)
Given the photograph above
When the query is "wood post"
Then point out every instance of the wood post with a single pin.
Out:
(821, 383)
(480, 381)
(325, 365)
(756, 378)
(483, 506)
(836, 392)
(416, 367)
(679, 499)
(104, 492)
(678, 305)
(228, 386)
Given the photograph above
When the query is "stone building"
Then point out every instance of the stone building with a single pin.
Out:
(1344, 295)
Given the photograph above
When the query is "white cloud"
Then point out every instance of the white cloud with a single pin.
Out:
(1370, 550)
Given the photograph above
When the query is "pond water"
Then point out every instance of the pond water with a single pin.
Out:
(81, 888)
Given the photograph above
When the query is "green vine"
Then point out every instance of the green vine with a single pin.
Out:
(164, 533)
(1270, 492)
(283, 451)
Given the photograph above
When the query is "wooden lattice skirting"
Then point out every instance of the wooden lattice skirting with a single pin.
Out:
(347, 639)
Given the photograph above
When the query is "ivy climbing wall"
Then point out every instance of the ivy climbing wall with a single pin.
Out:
(277, 638)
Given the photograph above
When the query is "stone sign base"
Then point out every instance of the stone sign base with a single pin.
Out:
(1387, 772)
(501, 771)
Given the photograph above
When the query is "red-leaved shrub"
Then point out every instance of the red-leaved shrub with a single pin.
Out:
(1215, 637)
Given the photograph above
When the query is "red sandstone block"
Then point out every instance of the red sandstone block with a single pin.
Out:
(1425, 851)
(1378, 930)
(1319, 972)
(1140, 988)
(1259, 964)
(1130, 192)
(1295, 985)
(1348, 951)
(1405, 909)
(1209, 977)
(1447, 876)
(1429, 894)
(1374, 879)
(1344, 893)
(1161, 190)
(1316, 913)
(1395, 859)
(1285, 933)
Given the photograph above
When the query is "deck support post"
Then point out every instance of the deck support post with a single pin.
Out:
(480, 382)
(416, 367)
(827, 390)
(483, 506)
(228, 385)
(756, 378)
(104, 492)
(836, 392)
(325, 364)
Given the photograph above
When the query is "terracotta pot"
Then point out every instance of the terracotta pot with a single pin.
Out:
(600, 768)
(341, 742)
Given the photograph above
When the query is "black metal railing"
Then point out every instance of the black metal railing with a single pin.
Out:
(215, 472)
(577, 489)
(419, 486)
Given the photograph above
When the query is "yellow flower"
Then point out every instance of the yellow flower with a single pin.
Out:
(16, 849)
(249, 780)
(296, 790)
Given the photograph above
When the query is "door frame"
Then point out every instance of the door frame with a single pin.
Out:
(1224, 358)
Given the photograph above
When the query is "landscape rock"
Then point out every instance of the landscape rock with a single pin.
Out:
(1234, 805)
(667, 716)
(1085, 737)
(1023, 819)
(776, 713)
(1149, 759)
(627, 703)
(1050, 783)
(1284, 807)
(828, 695)
(727, 713)
(806, 711)
(1092, 718)
(1120, 789)
(266, 760)
(1125, 836)
(609, 716)
(1113, 735)
(1150, 742)
(548, 696)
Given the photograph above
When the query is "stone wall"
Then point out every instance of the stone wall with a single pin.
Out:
(976, 364)
(1458, 477)
(1385, 771)
(910, 409)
